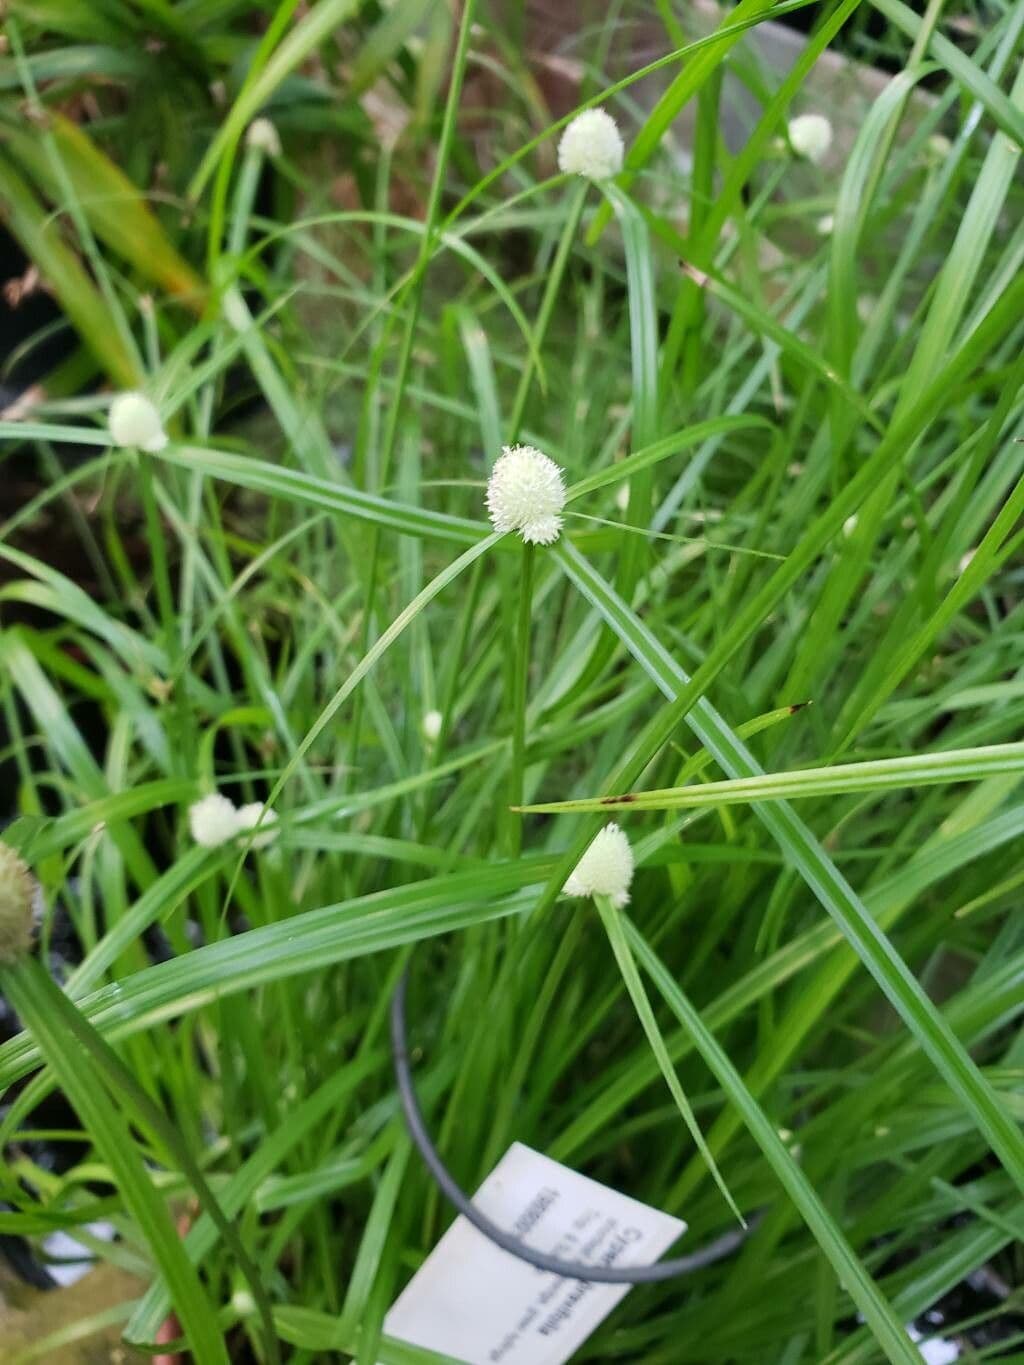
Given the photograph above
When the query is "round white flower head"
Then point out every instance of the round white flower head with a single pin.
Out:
(243, 1303)
(262, 136)
(135, 421)
(939, 146)
(17, 905)
(247, 817)
(431, 726)
(825, 224)
(213, 820)
(810, 135)
(850, 525)
(592, 146)
(525, 493)
(606, 869)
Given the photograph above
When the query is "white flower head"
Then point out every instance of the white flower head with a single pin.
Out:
(592, 146)
(939, 146)
(247, 817)
(213, 820)
(243, 1303)
(606, 869)
(526, 493)
(261, 135)
(850, 525)
(825, 224)
(18, 894)
(431, 726)
(135, 421)
(810, 135)
(866, 305)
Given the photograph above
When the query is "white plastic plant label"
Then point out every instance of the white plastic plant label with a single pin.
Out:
(481, 1305)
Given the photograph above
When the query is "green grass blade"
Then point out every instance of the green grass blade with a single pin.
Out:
(307, 942)
(613, 921)
(1003, 111)
(40, 239)
(693, 75)
(31, 992)
(314, 28)
(293, 486)
(833, 891)
(878, 1312)
(883, 774)
(241, 1188)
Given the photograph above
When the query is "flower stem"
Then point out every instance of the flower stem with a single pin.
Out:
(520, 674)
(577, 198)
(158, 552)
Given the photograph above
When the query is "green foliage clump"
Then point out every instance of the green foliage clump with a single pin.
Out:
(282, 706)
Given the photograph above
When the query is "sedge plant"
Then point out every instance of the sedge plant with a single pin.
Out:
(590, 564)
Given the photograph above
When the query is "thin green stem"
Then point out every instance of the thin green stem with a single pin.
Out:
(576, 199)
(520, 681)
(411, 298)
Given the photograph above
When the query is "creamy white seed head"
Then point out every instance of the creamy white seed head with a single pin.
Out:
(591, 146)
(263, 137)
(526, 493)
(247, 817)
(213, 820)
(606, 869)
(431, 726)
(134, 421)
(939, 146)
(810, 136)
(243, 1303)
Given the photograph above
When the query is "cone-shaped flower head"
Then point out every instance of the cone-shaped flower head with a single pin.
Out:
(810, 135)
(135, 421)
(592, 146)
(525, 493)
(606, 869)
(247, 817)
(262, 135)
(17, 905)
(213, 820)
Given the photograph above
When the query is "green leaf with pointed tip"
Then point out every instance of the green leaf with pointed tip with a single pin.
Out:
(882, 774)
(29, 990)
(878, 1312)
(896, 981)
